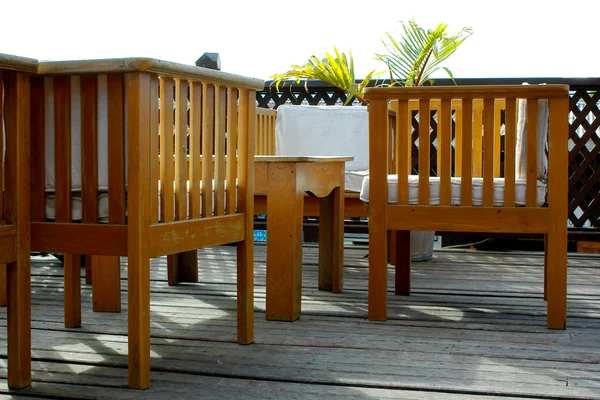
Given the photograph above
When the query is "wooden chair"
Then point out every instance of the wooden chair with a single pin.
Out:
(15, 275)
(160, 195)
(392, 207)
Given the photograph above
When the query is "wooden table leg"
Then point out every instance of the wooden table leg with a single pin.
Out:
(285, 202)
(331, 241)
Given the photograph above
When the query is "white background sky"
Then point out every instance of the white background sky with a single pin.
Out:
(512, 38)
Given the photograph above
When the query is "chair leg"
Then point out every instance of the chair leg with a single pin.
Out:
(139, 321)
(72, 270)
(557, 279)
(3, 285)
(245, 292)
(88, 269)
(331, 242)
(377, 272)
(19, 322)
(182, 267)
(545, 267)
(401, 247)
(106, 286)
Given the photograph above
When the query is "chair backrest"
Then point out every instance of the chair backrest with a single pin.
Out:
(324, 131)
(475, 135)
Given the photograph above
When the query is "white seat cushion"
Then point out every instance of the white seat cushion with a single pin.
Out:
(434, 191)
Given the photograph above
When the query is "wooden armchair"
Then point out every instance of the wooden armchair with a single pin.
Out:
(125, 179)
(456, 199)
(15, 286)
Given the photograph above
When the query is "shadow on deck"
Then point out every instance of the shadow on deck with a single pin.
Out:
(474, 327)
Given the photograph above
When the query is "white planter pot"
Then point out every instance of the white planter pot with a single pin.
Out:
(421, 245)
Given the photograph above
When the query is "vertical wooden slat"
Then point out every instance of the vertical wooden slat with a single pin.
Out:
(17, 105)
(166, 150)
(181, 96)
(488, 152)
(208, 106)
(444, 146)
(378, 123)
(2, 123)
(106, 270)
(232, 126)
(195, 135)
(272, 135)
(402, 150)
(558, 210)
(497, 138)
(138, 233)
(2, 217)
(477, 138)
(509, 152)
(38, 143)
(154, 149)
(424, 143)
(89, 157)
(466, 190)
(245, 249)
(458, 132)
(116, 149)
(89, 149)
(532, 125)
(62, 147)
(220, 126)
(62, 160)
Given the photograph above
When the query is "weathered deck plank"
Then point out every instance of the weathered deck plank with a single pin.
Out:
(473, 328)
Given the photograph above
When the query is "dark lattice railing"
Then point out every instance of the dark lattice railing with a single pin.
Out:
(584, 132)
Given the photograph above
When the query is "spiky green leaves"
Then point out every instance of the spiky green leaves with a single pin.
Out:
(337, 71)
(413, 59)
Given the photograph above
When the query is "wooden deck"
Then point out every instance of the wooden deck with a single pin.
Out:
(473, 328)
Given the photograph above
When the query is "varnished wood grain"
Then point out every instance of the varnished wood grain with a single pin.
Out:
(180, 150)
(377, 213)
(138, 233)
(219, 145)
(245, 249)
(557, 207)
(510, 138)
(167, 210)
(17, 213)
(488, 152)
(531, 144)
(89, 156)
(232, 144)
(159, 67)
(195, 165)
(444, 150)
(100, 239)
(208, 126)
(38, 163)
(466, 191)
(174, 237)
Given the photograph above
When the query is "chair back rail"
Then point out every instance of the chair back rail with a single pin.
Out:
(461, 114)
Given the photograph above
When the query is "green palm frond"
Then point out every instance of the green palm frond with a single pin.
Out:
(337, 71)
(419, 53)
